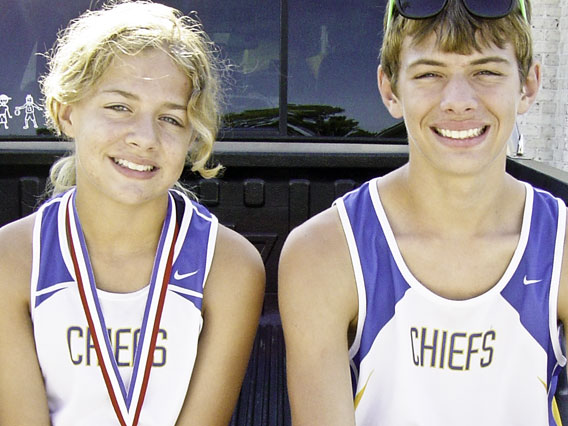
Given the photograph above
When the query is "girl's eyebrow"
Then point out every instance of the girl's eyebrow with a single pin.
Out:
(123, 93)
(132, 96)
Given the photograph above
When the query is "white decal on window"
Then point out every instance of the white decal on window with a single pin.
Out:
(29, 107)
(4, 110)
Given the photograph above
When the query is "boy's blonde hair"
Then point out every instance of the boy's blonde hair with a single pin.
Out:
(85, 49)
(460, 32)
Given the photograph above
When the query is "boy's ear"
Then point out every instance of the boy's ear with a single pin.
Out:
(64, 119)
(387, 94)
(530, 88)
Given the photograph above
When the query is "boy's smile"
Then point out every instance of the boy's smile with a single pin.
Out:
(459, 109)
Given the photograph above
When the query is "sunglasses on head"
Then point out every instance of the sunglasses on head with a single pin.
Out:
(422, 9)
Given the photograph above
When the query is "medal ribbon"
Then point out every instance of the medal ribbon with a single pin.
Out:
(122, 401)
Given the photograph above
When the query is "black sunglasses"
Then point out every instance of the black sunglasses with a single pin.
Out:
(421, 9)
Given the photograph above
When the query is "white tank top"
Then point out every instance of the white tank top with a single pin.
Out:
(78, 391)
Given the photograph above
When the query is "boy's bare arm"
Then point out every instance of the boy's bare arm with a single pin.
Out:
(563, 290)
(318, 303)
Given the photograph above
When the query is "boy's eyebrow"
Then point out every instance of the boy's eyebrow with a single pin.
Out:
(430, 62)
(132, 96)
(480, 61)
(490, 59)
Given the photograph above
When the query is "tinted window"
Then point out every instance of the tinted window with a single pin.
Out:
(333, 58)
(28, 29)
(320, 83)
(248, 34)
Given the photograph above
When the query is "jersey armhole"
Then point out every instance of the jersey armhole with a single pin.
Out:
(358, 273)
(36, 250)
(555, 284)
(213, 230)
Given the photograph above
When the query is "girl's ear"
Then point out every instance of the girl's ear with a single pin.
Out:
(530, 88)
(64, 118)
(387, 94)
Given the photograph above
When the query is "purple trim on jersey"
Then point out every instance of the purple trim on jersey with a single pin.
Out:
(43, 297)
(376, 260)
(190, 258)
(531, 300)
(52, 267)
(201, 209)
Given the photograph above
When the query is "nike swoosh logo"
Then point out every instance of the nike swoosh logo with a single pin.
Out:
(178, 276)
(529, 282)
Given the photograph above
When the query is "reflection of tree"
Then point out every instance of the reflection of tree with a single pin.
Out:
(305, 120)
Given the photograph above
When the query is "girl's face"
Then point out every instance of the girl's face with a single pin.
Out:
(131, 130)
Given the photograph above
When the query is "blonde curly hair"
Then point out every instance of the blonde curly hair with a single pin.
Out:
(85, 49)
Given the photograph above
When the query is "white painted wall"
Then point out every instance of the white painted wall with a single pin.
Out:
(545, 126)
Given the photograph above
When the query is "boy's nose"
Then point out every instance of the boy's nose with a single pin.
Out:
(458, 96)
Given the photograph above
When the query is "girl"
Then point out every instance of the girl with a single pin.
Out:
(142, 308)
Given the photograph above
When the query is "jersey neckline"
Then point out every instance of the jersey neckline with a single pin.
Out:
(415, 284)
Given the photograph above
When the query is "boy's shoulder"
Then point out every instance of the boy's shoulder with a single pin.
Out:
(321, 232)
(315, 259)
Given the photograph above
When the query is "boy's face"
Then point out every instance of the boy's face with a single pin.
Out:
(459, 109)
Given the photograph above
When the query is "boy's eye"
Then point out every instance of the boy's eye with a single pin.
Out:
(488, 73)
(426, 75)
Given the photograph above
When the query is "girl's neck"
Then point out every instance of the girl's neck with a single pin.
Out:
(118, 228)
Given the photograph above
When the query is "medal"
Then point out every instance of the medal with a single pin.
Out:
(127, 403)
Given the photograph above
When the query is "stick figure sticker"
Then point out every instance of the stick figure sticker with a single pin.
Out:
(4, 110)
(28, 108)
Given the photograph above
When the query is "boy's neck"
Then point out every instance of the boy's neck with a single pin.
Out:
(458, 204)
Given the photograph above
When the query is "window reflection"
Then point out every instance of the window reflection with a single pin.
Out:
(332, 58)
(248, 33)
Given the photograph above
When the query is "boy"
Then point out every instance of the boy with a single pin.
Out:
(431, 296)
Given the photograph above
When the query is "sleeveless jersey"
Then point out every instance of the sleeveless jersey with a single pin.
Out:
(421, 359)
(76, 388)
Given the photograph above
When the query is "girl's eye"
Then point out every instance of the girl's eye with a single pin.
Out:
(173, 121)
(117, 108)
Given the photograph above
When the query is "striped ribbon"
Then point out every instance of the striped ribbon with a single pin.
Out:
(127, 404)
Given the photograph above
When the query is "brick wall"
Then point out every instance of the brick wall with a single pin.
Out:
(545, 126)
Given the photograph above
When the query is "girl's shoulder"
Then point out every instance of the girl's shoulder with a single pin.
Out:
(16, 240)
(17, 236)
(237, 266)
(235, 253)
